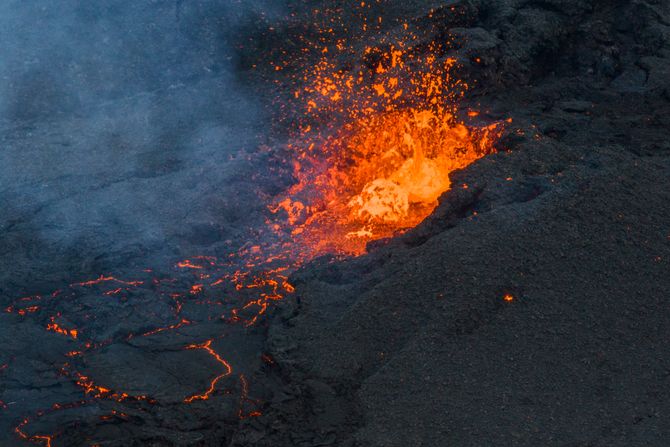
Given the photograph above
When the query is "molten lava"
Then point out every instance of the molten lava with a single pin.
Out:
(385, 177)
(381, 168)
(207, 347)
(374, 147)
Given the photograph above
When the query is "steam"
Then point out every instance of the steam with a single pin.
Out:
(120, 123)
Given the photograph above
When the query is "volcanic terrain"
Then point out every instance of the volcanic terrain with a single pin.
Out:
(206, 240)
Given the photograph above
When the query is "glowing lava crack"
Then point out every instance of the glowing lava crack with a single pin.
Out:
(372, 155)
(207, 346)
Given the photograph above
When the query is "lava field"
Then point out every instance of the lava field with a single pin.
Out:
(335, 223)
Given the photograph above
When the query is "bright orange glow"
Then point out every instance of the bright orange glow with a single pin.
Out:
(44, 440)
(182, 323)
(187, 264)
(207, 346)
(381, 169)
(55, 327)
(387, 175)
(103, 279)
(101, 392)
(508, 298)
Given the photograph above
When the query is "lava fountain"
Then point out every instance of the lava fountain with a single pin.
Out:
(379, 168)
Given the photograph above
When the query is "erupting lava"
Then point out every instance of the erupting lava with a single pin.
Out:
(372, 153)
(381, 168)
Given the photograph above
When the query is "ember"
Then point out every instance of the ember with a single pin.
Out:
(383, 167)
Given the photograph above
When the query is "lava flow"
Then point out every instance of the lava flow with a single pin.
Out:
(372, 154)
(207, 347)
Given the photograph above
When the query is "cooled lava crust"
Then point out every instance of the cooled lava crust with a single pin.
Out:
(169, 276)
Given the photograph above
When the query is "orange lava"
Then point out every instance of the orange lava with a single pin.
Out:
(101, 392)
(114, 291)
(55, 327)
(378, 133)
(378, 167)
(44, 440)
(187, 264)
(207, 346)
(102, 279)
(386, 176)
(182, 323)
(246, 401)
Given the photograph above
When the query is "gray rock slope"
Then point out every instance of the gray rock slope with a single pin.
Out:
(415, 344)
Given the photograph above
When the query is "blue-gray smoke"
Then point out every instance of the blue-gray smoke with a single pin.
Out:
(120, 125)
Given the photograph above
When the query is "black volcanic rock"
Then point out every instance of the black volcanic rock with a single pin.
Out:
(572, 220)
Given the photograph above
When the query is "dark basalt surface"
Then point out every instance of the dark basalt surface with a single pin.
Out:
(412, 344)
